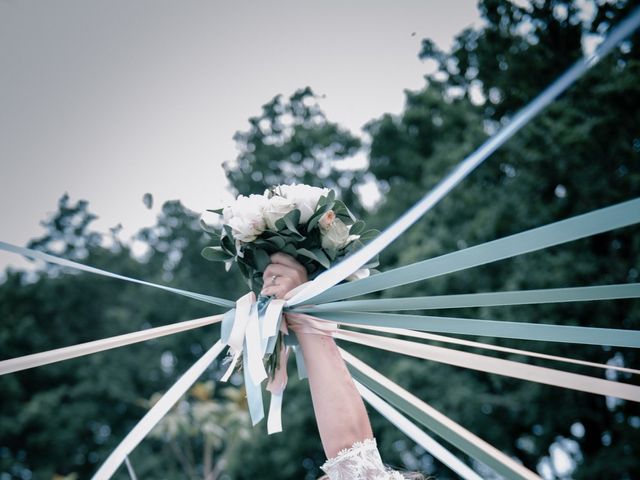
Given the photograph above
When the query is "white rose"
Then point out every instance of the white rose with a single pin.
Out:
(276, 208)
(245, 217)
(304, 197)
(336, 236)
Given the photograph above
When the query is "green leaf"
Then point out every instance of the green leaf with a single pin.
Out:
(289, 249)
(369, 235)
(227, 243)
(357, 228)
(217, 210)
(316, 255)
(261, 258)
(210, 229)
(276, 242)
(291, 220)
(306, 253)
(322, 258)
(215, 254)
(343, 213)
(227, 230)
(244, 269)
(332, 253)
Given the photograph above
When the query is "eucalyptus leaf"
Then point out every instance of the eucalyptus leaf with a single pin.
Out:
(369, 235)
(262, 259)
(306, 253)
(215, 254)
(357, 228)
(209, 228)
(322, 258)
(291, 220)
(227, 243)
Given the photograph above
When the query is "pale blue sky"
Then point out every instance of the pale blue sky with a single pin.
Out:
(109, 100)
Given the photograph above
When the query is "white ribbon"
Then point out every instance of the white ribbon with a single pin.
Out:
(447, 428)
(509, 368)
(66, 353)
(412, 431)
(497, 348)
(250, 336)
(157, 412)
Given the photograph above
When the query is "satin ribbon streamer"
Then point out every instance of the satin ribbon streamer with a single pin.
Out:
(157, 412)
(37, 255)
(66, 353)
(435, 421)
(414, 433)
(581, 226)
(497, 348)
(488, 299)
(499, 366)
(491, 328)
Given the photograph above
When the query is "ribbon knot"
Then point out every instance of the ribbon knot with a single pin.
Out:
(251, 330)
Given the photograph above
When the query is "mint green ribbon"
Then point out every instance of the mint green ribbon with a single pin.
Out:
(489, 299)
(37, 255)
(581, 226)
(491, 328)
(449, 435)
(254, 391)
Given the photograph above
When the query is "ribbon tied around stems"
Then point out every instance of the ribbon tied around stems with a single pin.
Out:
(251, 331)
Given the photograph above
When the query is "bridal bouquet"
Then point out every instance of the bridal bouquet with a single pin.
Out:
(306, 222)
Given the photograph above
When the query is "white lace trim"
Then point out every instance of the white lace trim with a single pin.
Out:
(369, 443)
(361, 461)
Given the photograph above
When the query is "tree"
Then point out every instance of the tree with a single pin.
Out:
(574, 158)
(293, 142)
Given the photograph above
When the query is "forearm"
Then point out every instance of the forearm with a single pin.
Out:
(340, 413)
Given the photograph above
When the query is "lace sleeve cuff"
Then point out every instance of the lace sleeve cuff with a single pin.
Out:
(361, 461)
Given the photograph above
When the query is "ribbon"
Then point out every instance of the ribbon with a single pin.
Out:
(259, 323)
(492, 328)
(435, 421)
(241, 334)
(497, 348)
(581, 226)
(509, 368)
(157, 412)
(485, 299)
(299, 324)
(37, 255)
(52, 356)
(411, 430)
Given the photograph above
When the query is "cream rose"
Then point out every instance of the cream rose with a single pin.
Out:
(336, 236)
(304, 197)
(246, 217)
(276, 207)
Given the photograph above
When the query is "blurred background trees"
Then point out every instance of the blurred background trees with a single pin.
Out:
(62, 420)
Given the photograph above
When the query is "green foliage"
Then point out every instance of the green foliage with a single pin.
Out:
(293, 142)
(302, 241)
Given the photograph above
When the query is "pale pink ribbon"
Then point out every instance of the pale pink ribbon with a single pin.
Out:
(299, 323)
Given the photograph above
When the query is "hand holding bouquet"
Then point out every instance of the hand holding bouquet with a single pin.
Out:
(305, 222)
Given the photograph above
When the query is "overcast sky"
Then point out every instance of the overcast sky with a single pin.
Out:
(107, 100)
